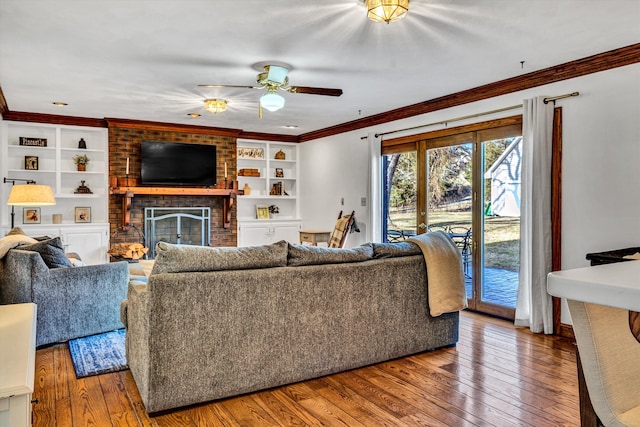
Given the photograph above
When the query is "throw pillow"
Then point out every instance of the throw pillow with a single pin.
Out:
(183, 258)
(12, 241)
(51, 251)
(315, 255)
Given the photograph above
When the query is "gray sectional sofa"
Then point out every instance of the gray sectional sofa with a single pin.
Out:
(218, 322)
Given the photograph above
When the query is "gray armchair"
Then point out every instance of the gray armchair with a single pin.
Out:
(72, 302)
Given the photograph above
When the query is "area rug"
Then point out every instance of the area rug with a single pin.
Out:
(98, 354)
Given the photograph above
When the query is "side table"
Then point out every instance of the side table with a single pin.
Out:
(313, 237)
(17, 363)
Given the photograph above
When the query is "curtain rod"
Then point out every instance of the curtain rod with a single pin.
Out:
(471, 116)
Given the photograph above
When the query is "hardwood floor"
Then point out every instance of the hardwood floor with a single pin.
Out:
(497, 375)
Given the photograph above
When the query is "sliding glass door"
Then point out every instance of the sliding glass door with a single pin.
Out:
(466, 185)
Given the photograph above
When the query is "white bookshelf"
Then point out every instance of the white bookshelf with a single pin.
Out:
(284, 225)
(56, 168)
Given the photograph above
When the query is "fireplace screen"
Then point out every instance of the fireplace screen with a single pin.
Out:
(184, 226)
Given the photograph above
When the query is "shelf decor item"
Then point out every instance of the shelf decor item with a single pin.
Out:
(31, 215)
(82, 144)
(83, 189)
(81, 161)
(31, 163)
(280, 155)
(82, 214)
(279, 173)
(250, 153)
(246, 189)
(278, 189)
(262, 212)
(33, 142)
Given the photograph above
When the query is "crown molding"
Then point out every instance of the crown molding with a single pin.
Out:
(592, 64)
(21, 116)
(170, 127)
(268, 136)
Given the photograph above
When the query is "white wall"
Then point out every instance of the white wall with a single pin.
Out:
(601, 163)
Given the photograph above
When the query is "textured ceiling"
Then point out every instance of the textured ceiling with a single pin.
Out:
(144, 59)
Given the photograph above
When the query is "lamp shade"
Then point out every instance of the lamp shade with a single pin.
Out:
(386, 10)
(272, 101)
(31, 195)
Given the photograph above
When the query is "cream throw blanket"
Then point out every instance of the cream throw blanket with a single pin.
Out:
(445, 277)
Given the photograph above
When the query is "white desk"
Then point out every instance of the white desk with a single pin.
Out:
(615, 285)
(17, 363)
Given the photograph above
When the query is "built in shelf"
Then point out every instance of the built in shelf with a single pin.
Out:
(130, 192)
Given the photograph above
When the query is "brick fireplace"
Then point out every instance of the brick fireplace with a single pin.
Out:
(125, 138)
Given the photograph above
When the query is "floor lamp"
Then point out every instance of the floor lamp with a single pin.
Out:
(29, 194)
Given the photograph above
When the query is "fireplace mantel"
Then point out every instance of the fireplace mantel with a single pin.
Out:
(129, 192)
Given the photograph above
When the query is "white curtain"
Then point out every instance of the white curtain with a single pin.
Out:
(534, 307)
(375, 187)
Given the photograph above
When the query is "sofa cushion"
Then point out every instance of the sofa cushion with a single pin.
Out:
(396, 249)
(314, 255)
(51, 251)
(172, 258)
(11, 241)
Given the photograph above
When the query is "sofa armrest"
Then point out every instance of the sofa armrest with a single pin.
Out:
(20, 269)
(137, 343)
(80, 301)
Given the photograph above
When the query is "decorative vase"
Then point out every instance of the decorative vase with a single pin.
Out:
(246, 189)
(280, 155)
(82, 167)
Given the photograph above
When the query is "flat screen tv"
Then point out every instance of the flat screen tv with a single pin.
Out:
(172, 163)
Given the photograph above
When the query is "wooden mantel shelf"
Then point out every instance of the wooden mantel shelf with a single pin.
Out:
(130, 192)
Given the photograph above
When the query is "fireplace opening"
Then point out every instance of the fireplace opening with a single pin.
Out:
(184, 226)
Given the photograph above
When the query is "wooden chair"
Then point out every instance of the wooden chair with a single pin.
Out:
(341, 230)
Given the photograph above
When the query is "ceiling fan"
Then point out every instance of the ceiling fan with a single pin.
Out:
(274, 77)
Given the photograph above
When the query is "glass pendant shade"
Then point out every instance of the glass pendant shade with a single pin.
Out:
(272, 101)
(215, 105)
(386, 10)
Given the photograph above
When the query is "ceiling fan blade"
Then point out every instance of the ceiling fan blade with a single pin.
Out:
(315, 90)
(233, 86)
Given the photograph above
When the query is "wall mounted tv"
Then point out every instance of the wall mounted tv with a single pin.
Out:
(172, 163)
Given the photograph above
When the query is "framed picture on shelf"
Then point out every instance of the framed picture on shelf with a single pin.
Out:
(31, 216)
(31, 163)
(82, 214)
(279, 173)
(262, 212)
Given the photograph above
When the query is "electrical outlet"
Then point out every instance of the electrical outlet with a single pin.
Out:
(363, 201)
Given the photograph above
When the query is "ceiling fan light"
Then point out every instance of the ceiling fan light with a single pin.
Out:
(272, 101)
(276, 73)
(215, 106)
(386, 10)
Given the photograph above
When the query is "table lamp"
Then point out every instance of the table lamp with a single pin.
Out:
(29, 194)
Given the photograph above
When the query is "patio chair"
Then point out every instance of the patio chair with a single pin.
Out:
(461, 236)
